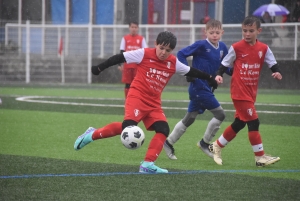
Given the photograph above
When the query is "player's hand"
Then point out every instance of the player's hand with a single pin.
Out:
(277, 75)
(96, 70)
(219, 79)
(213, 83)
(190, 79)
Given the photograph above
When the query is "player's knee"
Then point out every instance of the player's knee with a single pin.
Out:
(220, 115)
(127, 86)
(128, 123)
(189, 118)
(253, 125)
(238, 125)
(161, 127)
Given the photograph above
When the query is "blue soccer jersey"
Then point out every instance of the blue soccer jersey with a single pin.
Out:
(207, 58)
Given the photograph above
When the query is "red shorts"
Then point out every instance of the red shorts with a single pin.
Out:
(137, 110)
(245, 110)
(128, 75)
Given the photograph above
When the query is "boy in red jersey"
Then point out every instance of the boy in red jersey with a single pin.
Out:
(131, 41)
(155, 67)
(247, 57)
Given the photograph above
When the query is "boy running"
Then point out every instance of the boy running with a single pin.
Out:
(155, 67)
(207, 56)
(247, 57)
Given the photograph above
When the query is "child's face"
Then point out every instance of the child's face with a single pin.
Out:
(214, 34)
(163, 52)
(250, 33)
(133, 29)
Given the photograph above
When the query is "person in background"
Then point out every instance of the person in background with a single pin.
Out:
(204, 21)
(247, 57)
(131, 41)
(266, 18)
(155, 67)
(296, 12)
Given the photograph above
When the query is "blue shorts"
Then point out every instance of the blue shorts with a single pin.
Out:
(202, 102)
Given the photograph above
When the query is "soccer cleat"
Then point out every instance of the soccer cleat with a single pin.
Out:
(84, 139)
(217, 153)
(170, 151)
(205, 148)
(149, 167)
(265, 160)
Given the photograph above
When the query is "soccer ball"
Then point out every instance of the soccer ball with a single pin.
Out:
(132, 137)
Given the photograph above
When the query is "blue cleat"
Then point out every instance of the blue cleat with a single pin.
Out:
(149, 167)
(84, 139)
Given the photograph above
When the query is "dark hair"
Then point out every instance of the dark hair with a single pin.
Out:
(166, 38)
(250, 20)
(133, 22)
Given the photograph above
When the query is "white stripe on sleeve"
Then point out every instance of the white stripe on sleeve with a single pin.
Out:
(134, 56)
(181, 68)
(229, 58)
(269, 58)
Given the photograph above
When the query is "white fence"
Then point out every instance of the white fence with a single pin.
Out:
(36, 42)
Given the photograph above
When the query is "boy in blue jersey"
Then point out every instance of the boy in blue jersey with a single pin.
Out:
(207, 56)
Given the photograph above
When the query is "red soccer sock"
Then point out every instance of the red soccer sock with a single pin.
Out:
(155, 147)
(256, 142)
(228, 135)
(107, 131)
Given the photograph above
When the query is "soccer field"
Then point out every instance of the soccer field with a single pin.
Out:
(40, 124)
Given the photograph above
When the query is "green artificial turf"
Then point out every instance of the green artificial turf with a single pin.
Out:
(38, 161)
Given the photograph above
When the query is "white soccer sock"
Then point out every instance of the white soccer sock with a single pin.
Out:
(177, 132)
(211, 130)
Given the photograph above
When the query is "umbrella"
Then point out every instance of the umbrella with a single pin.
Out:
(272, 9)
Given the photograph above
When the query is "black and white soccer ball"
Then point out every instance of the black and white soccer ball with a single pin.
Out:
(132, 137)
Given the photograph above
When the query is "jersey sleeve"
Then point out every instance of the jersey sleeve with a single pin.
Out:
(134, 56)
(186, 52)
(229, 58)
(269, 58)
(144, 44)
(181, 68)
(122, 45)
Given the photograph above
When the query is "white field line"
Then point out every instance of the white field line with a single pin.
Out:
(30, 99)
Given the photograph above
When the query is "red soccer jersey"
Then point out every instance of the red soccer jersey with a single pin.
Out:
(129, 43)
(152, 74)
(247, 63)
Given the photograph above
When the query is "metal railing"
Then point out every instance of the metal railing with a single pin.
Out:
(85, 42)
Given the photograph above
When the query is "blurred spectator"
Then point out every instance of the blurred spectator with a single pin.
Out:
(266, 18)
(287, 19)
(296, 12)
(204, 21)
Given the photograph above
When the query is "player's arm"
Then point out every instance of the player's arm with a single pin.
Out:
(120, 65)
(134, 56)
(222, 69)
(229, 70)
(184, 53)
(185, 70)
(276, 72)
(195, 73)
(225, 64)
(271, 61)
(114, 60)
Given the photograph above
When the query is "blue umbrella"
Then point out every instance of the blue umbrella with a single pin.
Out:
(272, 9)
